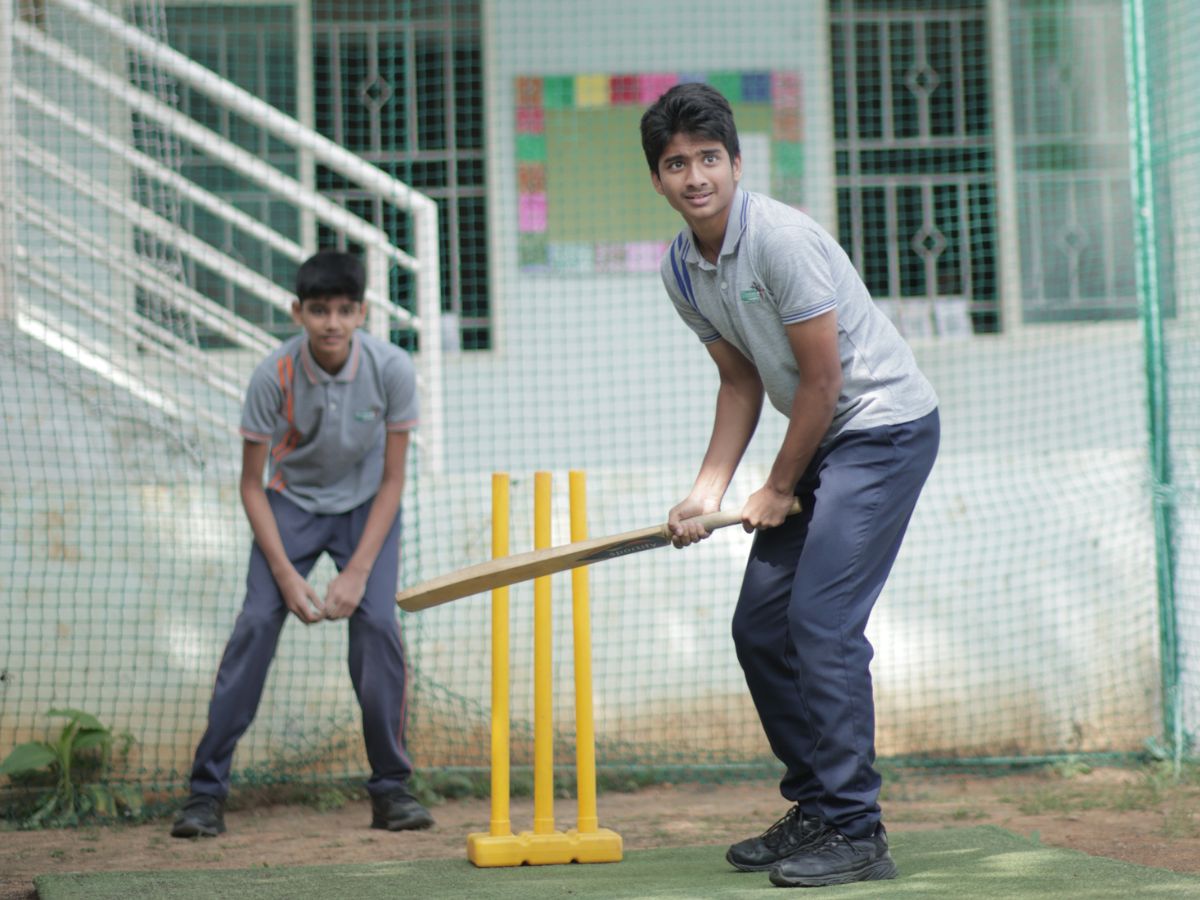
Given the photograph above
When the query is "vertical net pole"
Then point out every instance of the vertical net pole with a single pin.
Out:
(1006, 209)
(1150, 312)
(306, 115)
(585, 732)
(8, 179)
(543, 689)
(501, 823)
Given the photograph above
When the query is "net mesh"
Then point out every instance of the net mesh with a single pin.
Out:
(1032, 239)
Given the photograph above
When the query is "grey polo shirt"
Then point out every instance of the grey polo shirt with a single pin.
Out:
(327, 432)
(778, 267)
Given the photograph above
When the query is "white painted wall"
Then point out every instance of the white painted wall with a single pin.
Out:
(1021, 615)
(1023, 602)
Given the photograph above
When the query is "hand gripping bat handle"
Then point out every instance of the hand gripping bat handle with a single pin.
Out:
(722, 519)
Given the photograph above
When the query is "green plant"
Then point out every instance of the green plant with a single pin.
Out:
(73, 768)
(1070, 767)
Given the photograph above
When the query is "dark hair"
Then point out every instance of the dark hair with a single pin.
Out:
(331, 273)
(690, 108)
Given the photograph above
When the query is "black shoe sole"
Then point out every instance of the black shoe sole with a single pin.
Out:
(879, 870)
(418, 824)
(747, 867)
(195, 829)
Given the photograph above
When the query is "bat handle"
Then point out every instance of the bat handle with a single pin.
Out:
(725, 518)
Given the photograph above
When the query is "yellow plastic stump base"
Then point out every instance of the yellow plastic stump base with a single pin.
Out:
(529, 849)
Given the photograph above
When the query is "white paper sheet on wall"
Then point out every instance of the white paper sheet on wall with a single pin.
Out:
(756, 162)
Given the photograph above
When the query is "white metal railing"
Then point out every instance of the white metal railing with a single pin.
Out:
(380, 253)
(143, 274)
(135, 213)
(161, 343)
(327, 153)
(169, 178)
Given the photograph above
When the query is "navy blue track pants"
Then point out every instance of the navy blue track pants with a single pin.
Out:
(799, 626)
(376, 655)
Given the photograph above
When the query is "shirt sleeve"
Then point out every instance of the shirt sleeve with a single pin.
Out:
(400, 383)
(796, 266)
(677, 281)
(264, 398)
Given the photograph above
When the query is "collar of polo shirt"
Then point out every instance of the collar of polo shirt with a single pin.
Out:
(317, 375)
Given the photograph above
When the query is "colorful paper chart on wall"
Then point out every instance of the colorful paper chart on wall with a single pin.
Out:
(586, 203)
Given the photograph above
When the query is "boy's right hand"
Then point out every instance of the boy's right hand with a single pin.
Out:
(684, 532)
(299, 597)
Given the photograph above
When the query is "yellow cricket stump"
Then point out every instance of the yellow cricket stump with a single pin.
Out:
(586, 843)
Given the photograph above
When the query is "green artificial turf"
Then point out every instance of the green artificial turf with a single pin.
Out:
(978, 863)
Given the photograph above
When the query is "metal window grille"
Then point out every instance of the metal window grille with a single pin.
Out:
(401, 85)
(398, 83)
(914, 155)
(1072, 146)
(914, 148)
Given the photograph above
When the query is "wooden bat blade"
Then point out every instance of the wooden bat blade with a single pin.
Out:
(508, 570)
(524, 566)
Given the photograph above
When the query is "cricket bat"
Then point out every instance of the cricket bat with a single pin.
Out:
(524, 566)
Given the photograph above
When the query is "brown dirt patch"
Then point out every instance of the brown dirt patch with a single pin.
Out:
(1124, 814)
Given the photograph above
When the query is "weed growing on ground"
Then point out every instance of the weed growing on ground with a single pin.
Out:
(67, 776)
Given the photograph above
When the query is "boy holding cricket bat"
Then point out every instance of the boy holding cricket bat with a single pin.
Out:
(332, 410)
(783, 314)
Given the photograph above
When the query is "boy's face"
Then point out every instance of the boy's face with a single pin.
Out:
(330, 324)
(698, 179)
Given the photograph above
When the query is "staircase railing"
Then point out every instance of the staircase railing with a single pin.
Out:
(380, 253)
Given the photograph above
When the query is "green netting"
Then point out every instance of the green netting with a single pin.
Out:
(1017, 180)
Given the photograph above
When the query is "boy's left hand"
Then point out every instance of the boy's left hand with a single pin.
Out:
(766, 508)
(344, 594)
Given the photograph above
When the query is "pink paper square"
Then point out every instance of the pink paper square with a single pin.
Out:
(651, 87)
(610, 257)
(531, 214)
(531, 120)
(785, 90)
(644, 256)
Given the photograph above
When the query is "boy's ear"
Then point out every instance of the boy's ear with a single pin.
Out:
(296, 312)
(737, 167)
(654, 180)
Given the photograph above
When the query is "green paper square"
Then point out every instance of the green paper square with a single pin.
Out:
(788, 159)
(531, 148)
(533, 251)
(572, 257)
(558, 92)
(728, 83)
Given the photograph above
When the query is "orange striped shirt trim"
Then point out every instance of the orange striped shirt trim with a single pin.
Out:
(287, 374)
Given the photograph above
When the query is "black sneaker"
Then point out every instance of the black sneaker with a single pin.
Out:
(399, 811)
(203, 815)
(833, 858)
(791, 833)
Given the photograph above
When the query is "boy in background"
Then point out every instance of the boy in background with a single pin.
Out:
(331, 410)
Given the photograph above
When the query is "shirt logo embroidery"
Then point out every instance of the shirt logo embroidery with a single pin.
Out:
(753, 295)
(365, 415)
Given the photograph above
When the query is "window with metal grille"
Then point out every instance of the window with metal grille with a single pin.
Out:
(399, 82)
(915, 149)
(1072, 160)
